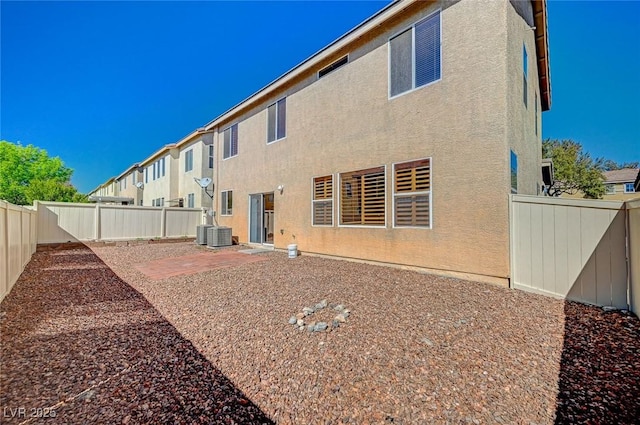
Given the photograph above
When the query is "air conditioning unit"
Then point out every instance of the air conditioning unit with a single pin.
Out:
(201, 233)
(218, 236)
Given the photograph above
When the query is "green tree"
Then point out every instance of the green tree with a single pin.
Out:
(610, 165)
(28, 173)
(574, 169)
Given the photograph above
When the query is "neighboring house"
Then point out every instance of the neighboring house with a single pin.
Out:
(130, 184)
(196, 161)
(622, 184)
(108, 192)
(398, 143)
(169, 175)
(159, 178)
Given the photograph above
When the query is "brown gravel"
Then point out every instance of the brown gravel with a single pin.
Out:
(417, 348)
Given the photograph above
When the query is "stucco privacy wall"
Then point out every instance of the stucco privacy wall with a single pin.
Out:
(345, 122)
(18, 235)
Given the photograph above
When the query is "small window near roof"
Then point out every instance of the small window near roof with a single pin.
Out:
(628, 188)
(337, 64)
(609, 189)
(277, 121)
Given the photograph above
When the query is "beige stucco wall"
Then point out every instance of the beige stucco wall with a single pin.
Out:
(521, 127)
(345, 122)
(131, 191)
(164, 186)
(186, 183)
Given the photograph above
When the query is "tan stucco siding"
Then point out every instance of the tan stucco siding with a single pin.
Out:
(345, 122)
(163, 186)
(130, 190)
(200, 169)
(521, 127)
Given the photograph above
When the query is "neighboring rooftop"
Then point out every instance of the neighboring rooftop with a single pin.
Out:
(624, 175)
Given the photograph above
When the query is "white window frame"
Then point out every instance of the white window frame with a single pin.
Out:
(210, 158)
(360, 226)
(238, 131)
(413, 56)
(609, 188)
(276, 124)
(633, 189)
(393, 194)
(222, 211)
(333, 197)
(191, 200)
(188, 160)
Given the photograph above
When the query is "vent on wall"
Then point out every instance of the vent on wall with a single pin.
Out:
(330, 68)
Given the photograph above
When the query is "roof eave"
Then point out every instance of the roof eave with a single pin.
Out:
(542, 46)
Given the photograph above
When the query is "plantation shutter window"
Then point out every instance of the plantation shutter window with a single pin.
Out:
(412, 194)
(415, 56)
(323, 201)
(362, 197)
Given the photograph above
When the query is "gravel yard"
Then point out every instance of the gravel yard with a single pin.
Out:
(217, 346)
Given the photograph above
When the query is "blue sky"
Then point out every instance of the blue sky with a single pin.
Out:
(105, 84)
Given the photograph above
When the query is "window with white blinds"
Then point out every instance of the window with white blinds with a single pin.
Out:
(277, 121)
(230, 139)
(412, 194)
(322, 204)
(415, 56)
(362, 197)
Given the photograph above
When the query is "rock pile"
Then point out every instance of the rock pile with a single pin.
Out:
(303, 320)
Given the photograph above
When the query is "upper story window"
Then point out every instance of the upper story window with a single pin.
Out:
(335, 65)
(155, 170)
(414, 58)
(210, 156)
(162, 161)
(188, 161)
(277, 120)
(609, 189)
(230, 141)
(628, 188)
(146, 175)
(525, 70)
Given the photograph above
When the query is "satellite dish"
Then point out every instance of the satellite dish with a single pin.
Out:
(204, 182)
(139, 185)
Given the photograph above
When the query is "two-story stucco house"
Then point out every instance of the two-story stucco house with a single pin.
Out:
(169, 175)
(398, 143)
(622, 185)
(129, 184)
